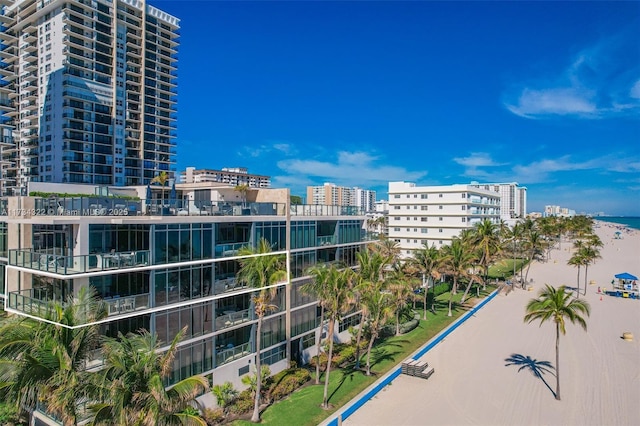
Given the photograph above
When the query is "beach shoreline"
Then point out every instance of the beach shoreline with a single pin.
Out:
(484, 371)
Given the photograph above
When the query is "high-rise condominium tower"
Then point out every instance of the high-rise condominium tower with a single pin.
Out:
(87, 91)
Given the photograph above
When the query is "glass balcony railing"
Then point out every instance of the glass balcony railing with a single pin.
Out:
(231, 249)
(39, 303)
(70, 265)
(326, 240)
(113, 206)
(232, 318)
(322, 210)
(229, 352)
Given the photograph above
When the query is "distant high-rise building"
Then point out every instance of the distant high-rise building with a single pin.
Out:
(330, 194)
(513, 199)
(433, 215)
(227, 176)
(87, 92)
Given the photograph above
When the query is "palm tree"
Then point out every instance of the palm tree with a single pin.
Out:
(242, 189)
(376, 304)
(534, 244)
(372, 265)
(486, 237)
(131, 387)
(577, 261)
(261, 269)
(45, 362)
(399, 290)
(318, 287)
(162, 178)
(339, 300)
(589, 255)
(558, 306)
(456, 261)
(388, 249)
(427, 260)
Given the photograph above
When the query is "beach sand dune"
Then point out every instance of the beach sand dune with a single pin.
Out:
(484, 371)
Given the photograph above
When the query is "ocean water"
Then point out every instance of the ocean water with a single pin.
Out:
(631, 222)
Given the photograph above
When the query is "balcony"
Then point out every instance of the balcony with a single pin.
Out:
(223, 250)
(322, 210)
(229, 352)
(232, 318)
(72, 265)
(326, 240)
(41, 303)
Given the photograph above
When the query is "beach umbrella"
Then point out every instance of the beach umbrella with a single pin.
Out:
(626, 276)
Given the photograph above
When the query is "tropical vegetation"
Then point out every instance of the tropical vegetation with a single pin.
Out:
(557, 306)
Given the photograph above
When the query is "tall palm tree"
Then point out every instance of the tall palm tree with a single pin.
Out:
(372, 265)
(131, 386)
(577, 261)
(557, 305)
(376, 303)
(427, 260)
(242, 189)
(399, 291)
(261, 269)
(162, 178)
(388, 248)
(589, 254)
(339, 300)
(318, 287)
(485, 235)
(534, 245)
(457, 259)
(45, 362)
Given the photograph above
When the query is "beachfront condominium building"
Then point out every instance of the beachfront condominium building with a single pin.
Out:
(433, 215)
(513, 199)
(164, 266)
(232, 176)
(88, 92)
(332, 194)
(558, 211)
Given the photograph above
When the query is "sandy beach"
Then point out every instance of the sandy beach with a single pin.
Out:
(474, 385)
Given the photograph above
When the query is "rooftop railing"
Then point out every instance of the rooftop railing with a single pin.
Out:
(322, 210)
(111, 206)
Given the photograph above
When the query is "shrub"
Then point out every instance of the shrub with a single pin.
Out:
(408, 326)
(213, 416)
(243, 403)
(441, 288)
(284, 384)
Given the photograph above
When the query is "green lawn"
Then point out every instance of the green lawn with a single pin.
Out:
(504, 268)
(303, 406)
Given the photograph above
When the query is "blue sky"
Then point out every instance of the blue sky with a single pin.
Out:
(546, 94)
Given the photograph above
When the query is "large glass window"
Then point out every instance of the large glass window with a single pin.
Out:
(52, 239)
(350, 231)
(300, 263)
(303, 234)
(119, 238)
(3, 240)
(304, 320)
(274, 232)
(198, 319)
(273, 331)
(298, 296)
(115, 285)
(183, 242)
(186, 283)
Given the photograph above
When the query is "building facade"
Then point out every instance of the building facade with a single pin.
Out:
(433, 215)
(513, 199)
(164, 269)
(227, 176)
(330, 194)
(88, 92)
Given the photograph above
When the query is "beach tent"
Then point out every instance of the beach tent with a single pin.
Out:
(626, 276)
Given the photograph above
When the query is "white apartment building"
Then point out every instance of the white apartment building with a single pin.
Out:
(87, 92)
(228, 176)
(331, 194)
(436, 214)
(558, 211)
(513, 199)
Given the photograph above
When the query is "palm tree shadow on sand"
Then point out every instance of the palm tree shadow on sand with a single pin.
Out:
(537, 368)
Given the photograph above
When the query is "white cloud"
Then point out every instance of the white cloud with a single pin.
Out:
(348, 169)
(600, 82)
(476, 159)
